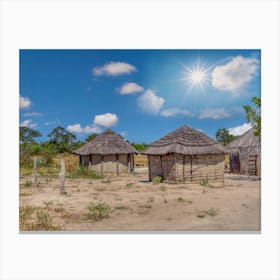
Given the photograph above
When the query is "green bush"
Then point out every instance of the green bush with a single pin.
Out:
(98, 211)
(157, 179)
(27, 183)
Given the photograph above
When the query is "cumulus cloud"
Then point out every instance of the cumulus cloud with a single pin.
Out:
(32, 114)
(234, 75)
(24, 102)
(173, 112)
(130, 88)
(150, 103)
(239, 130)
(113, 69)
(77, 128)
(214, 113)
(107, 119)
(28, 123)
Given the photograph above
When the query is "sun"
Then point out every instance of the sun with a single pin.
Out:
(197, 76)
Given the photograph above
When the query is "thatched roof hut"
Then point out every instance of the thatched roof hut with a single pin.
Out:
(187, 155)
(245, 154)
(107, 153)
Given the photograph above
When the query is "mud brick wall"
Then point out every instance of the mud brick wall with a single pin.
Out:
(197, 169)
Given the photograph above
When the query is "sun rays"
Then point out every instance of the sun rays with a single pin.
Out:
(197, 76)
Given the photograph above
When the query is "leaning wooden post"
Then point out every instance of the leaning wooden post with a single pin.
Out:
(35, 173)
(62, 177)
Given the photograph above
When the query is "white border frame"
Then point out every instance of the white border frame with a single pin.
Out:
(140, 24)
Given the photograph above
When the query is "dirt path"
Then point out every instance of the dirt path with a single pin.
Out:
(140, 205)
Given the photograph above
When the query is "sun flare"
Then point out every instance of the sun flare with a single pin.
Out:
(197, 76)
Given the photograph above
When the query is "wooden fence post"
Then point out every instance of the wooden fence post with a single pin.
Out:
(35, 173)
(62, 177)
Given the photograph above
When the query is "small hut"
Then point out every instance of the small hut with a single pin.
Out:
(245, 154)
(187, 155)
(107, 153)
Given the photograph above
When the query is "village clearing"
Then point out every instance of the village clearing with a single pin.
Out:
(132, 203)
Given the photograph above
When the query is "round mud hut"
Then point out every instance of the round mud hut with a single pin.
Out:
(245, 154)
(187, 155)
(107, 153)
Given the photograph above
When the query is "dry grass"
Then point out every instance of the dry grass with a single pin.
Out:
(141, 160)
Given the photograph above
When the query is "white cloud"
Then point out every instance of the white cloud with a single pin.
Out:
(114, 69)
(24, 102)
(239, 130)
(107, 119)
(123, 134)
(92, 129)
(234, 75)
(214, 113)
(130, 88)
(28, 123)
(77, 128)
(173, 112)
(32, 114)
(150, 103)
(49, 122)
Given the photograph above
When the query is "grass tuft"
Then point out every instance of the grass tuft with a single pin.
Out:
(98, 211)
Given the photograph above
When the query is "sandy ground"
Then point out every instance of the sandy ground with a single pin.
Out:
(139, 205)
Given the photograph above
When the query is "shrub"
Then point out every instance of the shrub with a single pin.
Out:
(210, 212)
(204, 182)
(44, 221)
(98, 211)
(180, 199)
(157, 179)
(27, 183)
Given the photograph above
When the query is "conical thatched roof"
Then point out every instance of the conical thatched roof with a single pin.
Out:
(248, 139)
(106, 143)
(186, 141)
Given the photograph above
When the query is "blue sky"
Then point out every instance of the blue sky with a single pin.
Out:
(141, 94)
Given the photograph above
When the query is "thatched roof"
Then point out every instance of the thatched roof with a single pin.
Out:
(248, 139)
(186, 141)
(106, 143)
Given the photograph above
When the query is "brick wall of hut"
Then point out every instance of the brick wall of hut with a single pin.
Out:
(206, 169)
(108, 163)
(244, 156)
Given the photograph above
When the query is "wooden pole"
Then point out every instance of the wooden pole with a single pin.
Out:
(117, 165)
(102, 159)
(35, 173)
(62, 177)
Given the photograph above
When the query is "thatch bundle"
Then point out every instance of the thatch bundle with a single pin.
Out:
(106, 143)
(185, 141)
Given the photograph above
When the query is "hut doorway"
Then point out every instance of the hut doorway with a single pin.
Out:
(235, 163)
(252, 164)
(168, 167)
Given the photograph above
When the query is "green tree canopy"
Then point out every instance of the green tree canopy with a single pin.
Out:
(223, 136)
(91, 137)
(253, 115)
(139, 147)
(61, 139)
(28, 135)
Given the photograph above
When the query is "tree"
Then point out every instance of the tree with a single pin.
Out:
(139, 147)
(61, 139)
(91, 137)
(223, 136)
(253, 115)
(28, 135)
